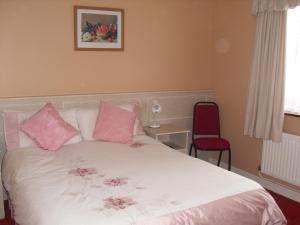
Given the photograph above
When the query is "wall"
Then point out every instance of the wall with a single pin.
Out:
(234, 30)
(167, 47)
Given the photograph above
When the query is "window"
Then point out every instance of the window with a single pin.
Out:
(292, 80)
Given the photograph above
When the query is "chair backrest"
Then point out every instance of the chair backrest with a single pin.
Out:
(206, 119)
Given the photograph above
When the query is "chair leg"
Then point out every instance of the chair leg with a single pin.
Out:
(196, 153)
(220, 157)
(191, 148)
(229, 160)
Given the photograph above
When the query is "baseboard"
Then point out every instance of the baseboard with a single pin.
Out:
(277, 188)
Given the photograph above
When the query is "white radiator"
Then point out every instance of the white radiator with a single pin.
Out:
(282, 160)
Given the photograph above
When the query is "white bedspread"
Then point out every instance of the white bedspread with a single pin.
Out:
(94, 183)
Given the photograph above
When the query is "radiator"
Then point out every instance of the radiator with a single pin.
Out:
(282, 160)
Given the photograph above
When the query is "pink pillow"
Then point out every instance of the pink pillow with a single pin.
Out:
(15, 138)
(48, 129)
(114, 124)
(138, 127)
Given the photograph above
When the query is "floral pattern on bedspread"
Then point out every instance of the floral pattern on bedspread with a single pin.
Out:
(137, 144)
(82, 172)
(118, 203)
(115, 192)
(108, 186)
(115, 182)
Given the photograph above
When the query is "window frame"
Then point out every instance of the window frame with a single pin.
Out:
(290, 113)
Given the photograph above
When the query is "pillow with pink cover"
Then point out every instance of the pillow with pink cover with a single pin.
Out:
(87, 118)
(138, 126)
(114, 124)
(15, 138)
(47, 128)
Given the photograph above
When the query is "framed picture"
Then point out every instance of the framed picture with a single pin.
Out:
(98, 28)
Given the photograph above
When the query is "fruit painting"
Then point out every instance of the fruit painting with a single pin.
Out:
(98, 28)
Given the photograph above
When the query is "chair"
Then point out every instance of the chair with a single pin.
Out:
(206, 131)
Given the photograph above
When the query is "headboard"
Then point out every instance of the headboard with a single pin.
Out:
(177, 106)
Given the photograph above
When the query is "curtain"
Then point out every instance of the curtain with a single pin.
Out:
(273, 5)
(264, 114)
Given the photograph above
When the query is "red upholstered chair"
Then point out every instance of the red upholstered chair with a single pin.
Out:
(206, 134)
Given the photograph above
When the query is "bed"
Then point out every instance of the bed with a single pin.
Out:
(143, 183)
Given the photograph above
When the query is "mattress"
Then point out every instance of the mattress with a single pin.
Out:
(96, 183)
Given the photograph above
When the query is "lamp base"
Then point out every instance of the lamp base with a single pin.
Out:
(154, 126)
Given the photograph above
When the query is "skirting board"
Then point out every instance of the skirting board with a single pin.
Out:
(277, 188)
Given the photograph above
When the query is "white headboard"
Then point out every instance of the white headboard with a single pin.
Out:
(177, 106)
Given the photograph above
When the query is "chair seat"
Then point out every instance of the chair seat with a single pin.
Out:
(211, 144)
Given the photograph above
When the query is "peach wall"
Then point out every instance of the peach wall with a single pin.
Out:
(234, 30)
(167, 47)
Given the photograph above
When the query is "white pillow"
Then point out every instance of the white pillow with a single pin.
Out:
(70, 117)
(15, 138)
(87, 121)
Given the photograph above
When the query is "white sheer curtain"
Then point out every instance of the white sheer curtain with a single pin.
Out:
(264, 115)
(265, 106)
(292, 80)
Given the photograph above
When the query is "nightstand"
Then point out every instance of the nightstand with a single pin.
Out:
(171, 135)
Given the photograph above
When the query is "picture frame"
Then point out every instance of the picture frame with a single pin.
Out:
(98, 28)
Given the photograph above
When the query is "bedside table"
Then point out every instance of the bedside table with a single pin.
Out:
(171, 135)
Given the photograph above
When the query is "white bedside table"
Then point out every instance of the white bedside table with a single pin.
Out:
(171, 135)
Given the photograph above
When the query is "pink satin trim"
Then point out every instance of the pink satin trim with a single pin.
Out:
(250, 208)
